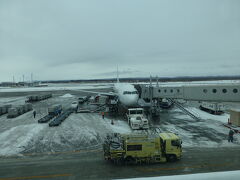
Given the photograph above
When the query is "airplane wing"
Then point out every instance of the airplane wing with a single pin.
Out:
(112, 94)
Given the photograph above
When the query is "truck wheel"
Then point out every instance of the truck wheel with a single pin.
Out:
(171, 158)
(120, 161)
(129, 160)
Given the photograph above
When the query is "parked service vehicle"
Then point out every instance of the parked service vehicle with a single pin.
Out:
(38, 97)
(136, 118)
(74, 105)
(59, 119)
(165, 104)
(102, 99)
(55, 109)
(93, 99)
(154, 148)
(213, 108)
(82, 99)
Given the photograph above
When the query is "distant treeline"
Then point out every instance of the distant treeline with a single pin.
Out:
(144, 79)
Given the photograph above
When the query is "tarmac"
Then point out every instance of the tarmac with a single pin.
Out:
(90, 165)
(73, 150)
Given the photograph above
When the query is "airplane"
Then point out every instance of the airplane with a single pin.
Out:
(126, 94)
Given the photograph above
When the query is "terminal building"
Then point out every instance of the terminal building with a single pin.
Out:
(235, 117)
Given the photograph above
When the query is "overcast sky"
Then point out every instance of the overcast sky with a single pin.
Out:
(76, 39)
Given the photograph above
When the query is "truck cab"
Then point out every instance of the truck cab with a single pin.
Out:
(171, 146)
(136, 118)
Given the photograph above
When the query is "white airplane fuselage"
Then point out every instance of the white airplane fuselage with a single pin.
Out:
(127, 94)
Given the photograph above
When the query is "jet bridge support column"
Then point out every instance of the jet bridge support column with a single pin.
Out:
(151, 97)
(153, 110)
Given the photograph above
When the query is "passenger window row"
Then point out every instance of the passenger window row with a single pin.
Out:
(165, 90)
(223, 90)
(204, 90)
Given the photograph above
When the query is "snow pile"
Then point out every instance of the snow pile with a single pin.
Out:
(118, 126)
(14, 140)
(77, 132)
(67, 95)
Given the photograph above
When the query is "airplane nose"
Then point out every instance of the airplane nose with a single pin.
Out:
(132, 100)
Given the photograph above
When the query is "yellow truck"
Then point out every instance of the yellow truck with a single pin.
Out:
(154, 148)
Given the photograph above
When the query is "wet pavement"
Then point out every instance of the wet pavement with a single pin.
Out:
(91, 165)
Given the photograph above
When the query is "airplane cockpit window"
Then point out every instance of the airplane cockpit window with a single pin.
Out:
(129, 92)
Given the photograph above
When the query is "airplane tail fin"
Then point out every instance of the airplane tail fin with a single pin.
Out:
(150, 81)
(117, 75)
(157, 81)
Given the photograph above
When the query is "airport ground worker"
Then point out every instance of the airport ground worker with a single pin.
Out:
(34, 114)
(76, 109)
(230, 135)
(56, 112)
(229, 121)
(59, 111)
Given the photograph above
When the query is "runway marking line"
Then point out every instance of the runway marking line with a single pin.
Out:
(64, 152)
(52, 153)
(36, 177)
(182, 167)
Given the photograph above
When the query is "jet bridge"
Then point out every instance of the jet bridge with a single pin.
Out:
(194, 92)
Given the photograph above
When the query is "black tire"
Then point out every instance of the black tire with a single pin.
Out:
(171, 158)
(129, 160)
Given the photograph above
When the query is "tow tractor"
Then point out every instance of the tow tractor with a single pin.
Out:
(136, 119)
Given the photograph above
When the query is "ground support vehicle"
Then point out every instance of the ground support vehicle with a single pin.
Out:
(46, 118)
(83, 99)
(55, 109)
(4, 109)
(165, 104)
(36, 98)
(60, 118)
(18, 110)
(212, 108)
(133, 148)
(74, 106)
(136, 118)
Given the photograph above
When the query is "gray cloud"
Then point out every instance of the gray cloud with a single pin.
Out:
(59, 39)
(114, 73)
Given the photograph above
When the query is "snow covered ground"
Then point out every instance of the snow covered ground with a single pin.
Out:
(208, 132)
(54, 87)
(23, 134)
(76, 86)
